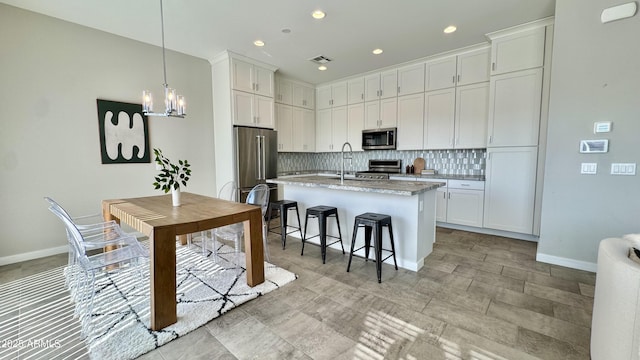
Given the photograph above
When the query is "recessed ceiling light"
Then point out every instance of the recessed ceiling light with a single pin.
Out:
(449, 29)
(377, 51)
(322, 68)
(259, 43)
(318, 14)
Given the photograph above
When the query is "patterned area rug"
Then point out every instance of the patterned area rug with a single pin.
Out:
(120, 317)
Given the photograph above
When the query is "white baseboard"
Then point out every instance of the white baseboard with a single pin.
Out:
(480, 230)
(12, 259)
(566, 262)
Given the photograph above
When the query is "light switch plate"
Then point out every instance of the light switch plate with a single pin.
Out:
(602, 127)
(589, 168)
(623, 168)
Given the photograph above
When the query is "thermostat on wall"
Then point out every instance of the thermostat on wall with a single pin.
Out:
(594, 146)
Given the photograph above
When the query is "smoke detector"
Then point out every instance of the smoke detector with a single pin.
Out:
(320, 59)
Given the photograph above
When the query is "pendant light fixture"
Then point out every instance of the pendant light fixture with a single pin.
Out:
(175, 105)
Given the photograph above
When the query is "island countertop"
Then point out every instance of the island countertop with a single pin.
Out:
(393, 187)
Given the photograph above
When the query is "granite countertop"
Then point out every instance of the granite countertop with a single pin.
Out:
(394, 187)
(419, 176)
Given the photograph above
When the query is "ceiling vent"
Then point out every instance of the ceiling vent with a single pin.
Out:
(320, 59)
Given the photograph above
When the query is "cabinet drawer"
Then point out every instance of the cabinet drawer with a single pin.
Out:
(466, 184)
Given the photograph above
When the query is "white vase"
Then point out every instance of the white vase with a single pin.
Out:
(175, 196)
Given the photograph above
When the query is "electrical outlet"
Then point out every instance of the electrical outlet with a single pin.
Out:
(589, 168)
(623, 168)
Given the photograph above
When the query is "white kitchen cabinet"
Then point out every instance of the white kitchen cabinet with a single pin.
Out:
(410, 122)
(510, 188)
(304, 131)
(465, 202)
(355, 119)
(381, 113)
(472, 113)
(355, 90)
(331, 129)
(514, 108)
(411, 79)
(382, 85)
(284, 126)
(517, 51)
(331, 95)
(439, 117)
(251, 78)
(466, 68)
(284, 91)
(252, 110)
(441, 204)
(303, 96)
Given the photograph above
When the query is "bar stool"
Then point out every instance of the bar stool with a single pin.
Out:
(370, 222)
(284, 206)
(322, 213)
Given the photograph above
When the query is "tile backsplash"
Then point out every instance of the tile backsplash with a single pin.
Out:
(448, 162)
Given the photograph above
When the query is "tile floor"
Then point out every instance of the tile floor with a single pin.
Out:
(478, 297)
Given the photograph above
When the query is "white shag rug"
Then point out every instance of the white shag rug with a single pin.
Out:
(205, 290)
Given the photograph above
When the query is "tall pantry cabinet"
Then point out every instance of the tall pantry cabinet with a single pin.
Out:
(518, 98)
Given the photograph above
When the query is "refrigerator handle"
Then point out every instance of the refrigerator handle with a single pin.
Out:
(259, 156)
(264, 159)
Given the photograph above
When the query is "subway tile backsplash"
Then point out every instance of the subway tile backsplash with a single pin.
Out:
(447, 162)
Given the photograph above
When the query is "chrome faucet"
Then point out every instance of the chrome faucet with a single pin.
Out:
(348, 156)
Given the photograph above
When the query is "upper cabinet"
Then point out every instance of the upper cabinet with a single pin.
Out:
(331, 95)
(251, 78)
(355, 91)
(520, 51)
(284, 91)
(411, 79)
(382, 85)
(291, 92)
(465, 68)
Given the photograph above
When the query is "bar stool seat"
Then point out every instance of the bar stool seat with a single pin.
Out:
(322, 212)
(283, 206)
(373, 222)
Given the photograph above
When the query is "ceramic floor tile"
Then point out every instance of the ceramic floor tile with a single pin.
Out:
(514, 298)
(463, 344)
(584, 277)
(573, 315)
(549, 348)
(200, 344)
(464, 299)
(503, 253)
(553, 282)
(490, 278)
(529, 265)
(560, 296)
(456, 250)
(475, 264)
(587, 290)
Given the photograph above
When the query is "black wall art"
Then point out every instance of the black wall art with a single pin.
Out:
(124, 133)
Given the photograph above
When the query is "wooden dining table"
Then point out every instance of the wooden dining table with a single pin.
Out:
(157, 218)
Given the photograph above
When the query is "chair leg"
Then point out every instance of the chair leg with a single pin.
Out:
(393, 247)
(367, 242)
(322, 225)
(299, 224)
(283, 225)
(265, 245)
(339, 232)
(306, 220)
(353, 244)
(378, 251)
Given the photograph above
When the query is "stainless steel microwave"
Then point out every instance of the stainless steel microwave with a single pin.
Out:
(379, 139)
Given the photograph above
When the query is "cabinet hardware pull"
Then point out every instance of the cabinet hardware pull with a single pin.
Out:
(458, 77)
(398, 89)
(449, 196)
(493, 66)
(454, 79)
(490, 139)
(361, 96)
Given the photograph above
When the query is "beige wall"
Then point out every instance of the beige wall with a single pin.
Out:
(51, 73)
(595, 77)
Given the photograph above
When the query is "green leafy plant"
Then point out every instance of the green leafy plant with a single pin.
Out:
(171, 175)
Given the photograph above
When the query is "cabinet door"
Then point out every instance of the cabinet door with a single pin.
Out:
(284, 92)
(339, 94)
(308, 131)
(355, 118)
(472, 114)
(465, 207)
(241, 75)
(298, 126)
(439, 111)
(372, 87)
(510, 188)
(355, 91)
(285, 127)
(410, 122)
(339, 127)
(441, 204)
(520, 51)
(298, 95)
(323, 130)
(411, 79)
(473, 67)
(389, 84)
(263, 111)
(323, 97)
(440, 73)
(514, 108)
(309, 95)
(372, 114)
(263, 79)
(242, 108)
(389, 112)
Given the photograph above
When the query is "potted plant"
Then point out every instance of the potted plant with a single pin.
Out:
(171, 175)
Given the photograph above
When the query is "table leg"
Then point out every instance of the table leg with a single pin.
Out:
(254, 251)
(162, 258)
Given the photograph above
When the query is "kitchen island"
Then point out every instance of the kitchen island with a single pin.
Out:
(410, 204)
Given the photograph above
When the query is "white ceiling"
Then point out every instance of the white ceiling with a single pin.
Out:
(405, 29)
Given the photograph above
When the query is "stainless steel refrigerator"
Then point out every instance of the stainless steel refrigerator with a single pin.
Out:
(256, 159)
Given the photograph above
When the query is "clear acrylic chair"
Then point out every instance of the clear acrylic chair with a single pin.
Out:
(228, 192)
(127, 254)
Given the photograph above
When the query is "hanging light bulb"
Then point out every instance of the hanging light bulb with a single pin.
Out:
(174, 104)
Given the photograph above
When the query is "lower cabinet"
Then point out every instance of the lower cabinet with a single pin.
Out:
(465, 205)
(441, 204)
